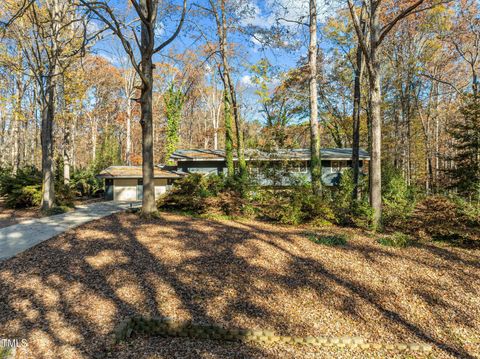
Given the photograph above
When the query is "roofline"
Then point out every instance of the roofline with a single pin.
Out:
(159, 177)
(346, 158)
(179, 157)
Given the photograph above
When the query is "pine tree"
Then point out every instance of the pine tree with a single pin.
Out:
(466, 133)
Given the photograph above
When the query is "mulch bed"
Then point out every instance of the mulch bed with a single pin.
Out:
(9, 216)
(67, 294)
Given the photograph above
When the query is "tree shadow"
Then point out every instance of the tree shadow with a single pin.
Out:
(67, 294)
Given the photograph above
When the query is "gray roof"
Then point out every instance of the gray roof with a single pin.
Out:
(301, 154)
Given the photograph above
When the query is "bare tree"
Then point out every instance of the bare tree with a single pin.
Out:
(359, 67)
(219, 12)
(147, 11)
(371, 51)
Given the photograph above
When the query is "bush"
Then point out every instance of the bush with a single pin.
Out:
(398, 198)
(347, 211)
(199, 194)
(64, 195)
(57, 210)
(24, 197)
(22, 189)
(332, 240)
(86, 184)
(397, 240)
(293, 206)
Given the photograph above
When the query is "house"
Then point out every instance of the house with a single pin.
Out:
(124, 183)
(278, 168)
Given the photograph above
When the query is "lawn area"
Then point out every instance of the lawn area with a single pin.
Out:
(67, 294)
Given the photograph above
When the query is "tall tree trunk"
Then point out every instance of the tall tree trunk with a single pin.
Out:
(128, 145)
(93, 129)
(315, 161)
(66, 154)
(229, 86)
(48, 111)
(376, 150)
(146, 117)
(357, 107)
(228, 137)
(18, 113)
(74, 143)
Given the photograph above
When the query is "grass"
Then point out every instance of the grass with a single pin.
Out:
(331, 241)
(396, 240)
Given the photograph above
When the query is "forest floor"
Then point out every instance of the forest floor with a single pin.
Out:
(67, 294)
(10, 216)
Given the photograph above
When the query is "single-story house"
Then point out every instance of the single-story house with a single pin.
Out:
(124, 183)
(278, 168)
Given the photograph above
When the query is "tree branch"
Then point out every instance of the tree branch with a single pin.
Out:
(177, 31)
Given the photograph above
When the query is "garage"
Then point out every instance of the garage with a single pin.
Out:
(125, 184)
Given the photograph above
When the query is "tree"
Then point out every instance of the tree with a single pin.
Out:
(147, 11)
(276, 104)
(174, 100)
(52, 35)
(466, 132)
(315, 160)
(371, 50)
(227, 112)
(219, 11)
(356, 115)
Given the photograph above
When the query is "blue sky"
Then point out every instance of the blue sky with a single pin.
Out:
(260, 13)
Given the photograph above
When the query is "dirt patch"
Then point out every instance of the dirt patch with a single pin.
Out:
(67, 294)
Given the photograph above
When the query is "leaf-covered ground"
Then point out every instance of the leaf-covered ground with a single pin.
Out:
(9, 216)
(67, 294)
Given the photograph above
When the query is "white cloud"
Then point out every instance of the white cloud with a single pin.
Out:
(246, 81)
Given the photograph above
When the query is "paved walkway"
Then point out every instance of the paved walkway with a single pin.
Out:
(19, 237)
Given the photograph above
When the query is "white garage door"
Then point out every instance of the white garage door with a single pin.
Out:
(125, 190)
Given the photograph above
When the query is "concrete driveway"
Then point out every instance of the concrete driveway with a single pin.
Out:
(19, 237)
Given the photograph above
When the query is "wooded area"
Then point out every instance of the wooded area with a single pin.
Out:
(398, 78)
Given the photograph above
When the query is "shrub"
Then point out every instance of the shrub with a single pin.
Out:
(24, 197)
(398, 198)
(198, 194)
(397, 240)
(86, 184)
(331, 240)
(22, 189)
(57, 210)
(278, 205)
(292, 206)
(347, 211)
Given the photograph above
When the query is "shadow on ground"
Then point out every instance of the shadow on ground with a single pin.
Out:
(67, 294)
